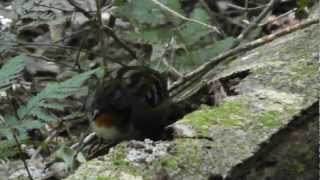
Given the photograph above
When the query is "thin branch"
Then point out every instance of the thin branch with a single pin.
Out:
(31, 44)
(171, 68)
(80, 9)
(246, 3)
(106, 29)
(101, 34)
(84, 141)
(203, 69)
(13, 131)
(52, 134)
(77, 60)
(246, 9)
(110, 32)
(98, 13)
(212, 15)
(254, 24)
(220, 15)
(23, 160)
(183, 17)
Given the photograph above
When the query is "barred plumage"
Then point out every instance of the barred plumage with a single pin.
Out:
(133, 101)
(144, 82)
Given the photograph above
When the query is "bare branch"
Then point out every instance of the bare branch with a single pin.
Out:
(254, 24)
(203, 69)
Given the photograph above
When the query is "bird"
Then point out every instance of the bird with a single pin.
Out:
(133, 103)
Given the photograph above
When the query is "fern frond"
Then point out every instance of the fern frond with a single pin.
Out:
(6, 128)
(34, 114)
(10, 71)
(37, 105)
(8, 149)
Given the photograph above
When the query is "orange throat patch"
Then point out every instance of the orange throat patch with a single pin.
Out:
(104, 120)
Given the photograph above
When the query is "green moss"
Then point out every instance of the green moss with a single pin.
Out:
(105, 178)
(297, 167)
(118, 158)
(200, 118)
(119, 162)
(305, 69)
(270, 119)
(294, 70)
(169, 163)
(310, 155)
(186, 153)
(189, 153)
(231, 113)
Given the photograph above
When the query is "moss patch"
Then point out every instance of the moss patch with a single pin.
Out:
(229, 114)
(105, 178)
(297, 167)
(119, 162)
(270, 119)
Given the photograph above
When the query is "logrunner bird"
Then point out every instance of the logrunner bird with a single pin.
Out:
(133, 103)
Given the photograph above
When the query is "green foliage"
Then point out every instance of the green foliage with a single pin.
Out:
(184, 44)
(145, 12)
(35, 114)
(7, 149)
(36, 105)
(201, 55)
(10, 71)
(191, 32)
(303, 3)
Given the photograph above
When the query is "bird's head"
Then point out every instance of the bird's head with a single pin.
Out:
(110, 110)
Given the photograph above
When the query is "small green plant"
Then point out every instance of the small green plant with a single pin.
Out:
(34, 114)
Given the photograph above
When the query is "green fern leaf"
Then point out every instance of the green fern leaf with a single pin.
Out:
(12, 123)
(5, 131)
(34, 114)
(10, 71)
(36, 105)
(191, 32)
(7, 149)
